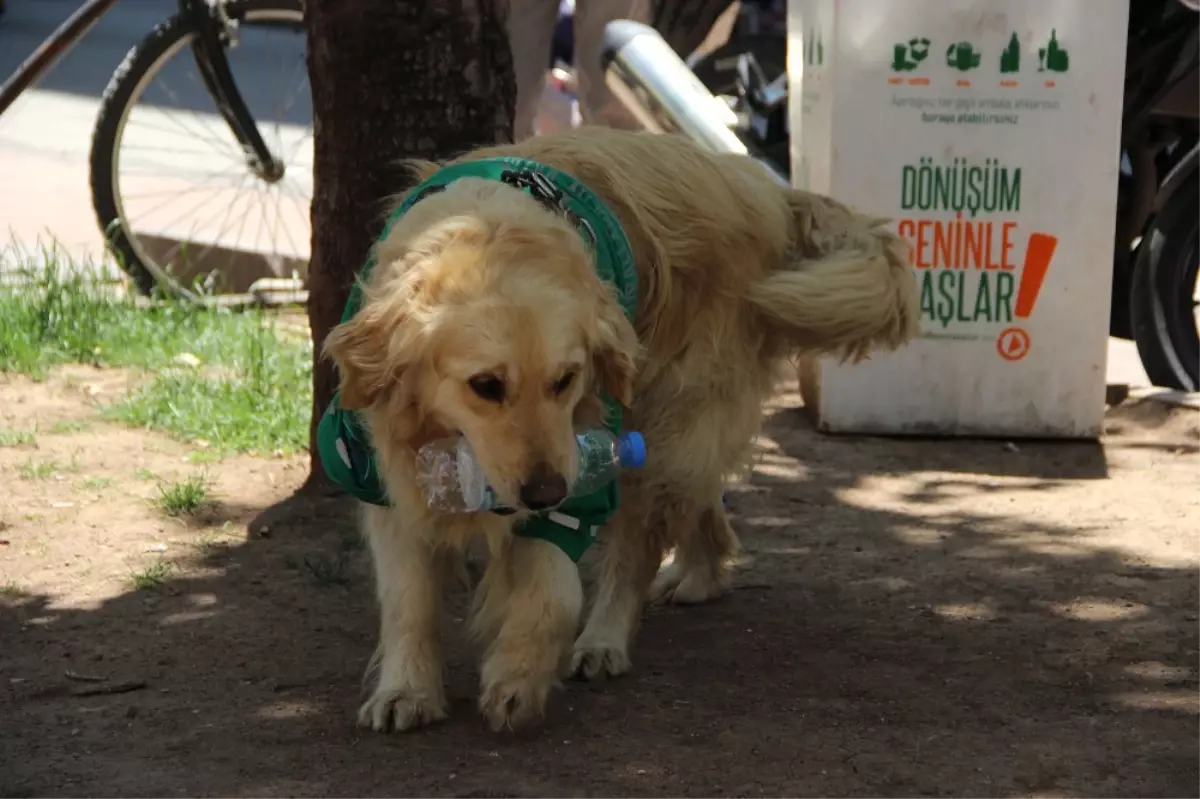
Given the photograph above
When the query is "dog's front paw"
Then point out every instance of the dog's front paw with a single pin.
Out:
(401, 709)
(510, 703)
(594, 657)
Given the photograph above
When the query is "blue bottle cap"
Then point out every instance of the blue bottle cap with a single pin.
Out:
(631, 449)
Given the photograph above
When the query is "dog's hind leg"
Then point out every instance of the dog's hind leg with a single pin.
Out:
(527, 610)
(409, 691)
(697, 457)
(632, 552)
(700, 568)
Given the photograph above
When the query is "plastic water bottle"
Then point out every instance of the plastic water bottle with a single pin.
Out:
(453, 481)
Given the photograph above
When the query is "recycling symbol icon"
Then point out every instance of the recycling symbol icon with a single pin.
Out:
(907, 56)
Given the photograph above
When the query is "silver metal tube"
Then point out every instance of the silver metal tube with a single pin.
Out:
(657, 87)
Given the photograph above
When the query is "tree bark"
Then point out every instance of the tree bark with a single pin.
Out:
(391, 79)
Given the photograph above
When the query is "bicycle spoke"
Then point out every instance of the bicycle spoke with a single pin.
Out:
(181, 132)
(295, 95)
(171, 150)
(279, 110)
(232, 219)
(183, 241)
(166, 171)
(241, 227)
(294, 189)
(274, 225)
(224, 145)
(196, 187)
(184, 215)
(201, 226)
(179, 105)
(291, 159)
(287, 230)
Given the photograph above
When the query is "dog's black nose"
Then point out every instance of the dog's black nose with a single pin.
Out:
(544, 489)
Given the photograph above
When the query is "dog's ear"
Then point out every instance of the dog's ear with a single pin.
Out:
(360, 349)
(377, 345)
(615, 352)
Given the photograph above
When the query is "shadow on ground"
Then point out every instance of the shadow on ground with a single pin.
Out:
(913, 618)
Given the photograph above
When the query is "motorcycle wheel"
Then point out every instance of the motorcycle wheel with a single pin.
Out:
(1163, 301)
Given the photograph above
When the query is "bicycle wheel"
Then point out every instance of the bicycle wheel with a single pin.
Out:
(173, 191)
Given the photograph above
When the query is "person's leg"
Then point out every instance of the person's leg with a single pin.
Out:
(597, 105)
(530, 32)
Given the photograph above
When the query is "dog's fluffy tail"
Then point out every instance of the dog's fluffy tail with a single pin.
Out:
(846, 287)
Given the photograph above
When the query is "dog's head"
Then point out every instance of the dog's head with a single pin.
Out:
(484, 316)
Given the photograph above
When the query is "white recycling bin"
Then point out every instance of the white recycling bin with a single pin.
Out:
(988, 132)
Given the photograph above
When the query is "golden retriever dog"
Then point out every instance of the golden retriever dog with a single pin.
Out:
(484, 316)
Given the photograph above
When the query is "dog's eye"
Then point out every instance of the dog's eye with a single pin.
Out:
(488, 387)
(563, 383)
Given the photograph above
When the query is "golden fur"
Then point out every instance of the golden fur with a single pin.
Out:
(480, 281)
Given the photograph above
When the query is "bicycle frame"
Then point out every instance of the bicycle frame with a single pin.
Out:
(211, 26)
(55, 47)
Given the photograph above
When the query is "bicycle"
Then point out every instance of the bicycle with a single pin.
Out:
(158, 254)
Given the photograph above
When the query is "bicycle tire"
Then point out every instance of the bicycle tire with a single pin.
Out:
(115, 103)
(1164, 279)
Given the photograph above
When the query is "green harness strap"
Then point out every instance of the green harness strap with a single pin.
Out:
(343, 442)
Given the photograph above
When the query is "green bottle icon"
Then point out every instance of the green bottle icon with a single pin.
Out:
(1052, 57)
(962, 56)
(1010, 59)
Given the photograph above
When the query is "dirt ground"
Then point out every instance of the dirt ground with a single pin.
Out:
(912, 618)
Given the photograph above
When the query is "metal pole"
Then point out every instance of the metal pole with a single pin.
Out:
(654, 83)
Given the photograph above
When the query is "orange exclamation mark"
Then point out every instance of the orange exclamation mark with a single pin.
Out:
(1038, 254)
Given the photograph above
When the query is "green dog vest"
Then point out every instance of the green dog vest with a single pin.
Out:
(343, 441)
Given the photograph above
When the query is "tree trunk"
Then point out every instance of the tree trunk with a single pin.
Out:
(391, 79)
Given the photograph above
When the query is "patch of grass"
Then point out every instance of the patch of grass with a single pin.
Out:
(10, 590)
(204, 456)
(228, 377)
(152, 577)
(17, 438)
(68, 426)
(258, 402)
(97, 483)
(185, 497)
(142, 473)
(326, 571)
(34, 469)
